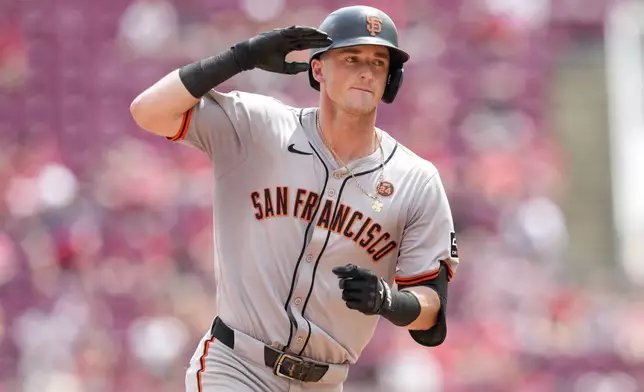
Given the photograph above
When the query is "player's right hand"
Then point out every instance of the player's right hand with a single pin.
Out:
(362, 289)
(268, 50)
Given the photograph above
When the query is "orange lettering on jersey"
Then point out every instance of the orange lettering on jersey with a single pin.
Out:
(337, 223)
(385, 250)
(372, 248)
(254, 197)
(299, 200)
(325, 215)
(282, 201)
(370, 235)
(357, 215)
(362, 229)
(268, 203)
(341, 219)
(309, 207)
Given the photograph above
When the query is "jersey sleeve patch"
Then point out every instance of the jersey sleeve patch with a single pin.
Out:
(453, 247)
(185, 123)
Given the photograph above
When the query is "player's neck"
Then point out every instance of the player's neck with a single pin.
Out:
(350, 136)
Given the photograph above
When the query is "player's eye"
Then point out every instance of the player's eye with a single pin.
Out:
(352, 59)
(379, 63)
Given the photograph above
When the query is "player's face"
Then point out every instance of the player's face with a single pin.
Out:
(354, 78)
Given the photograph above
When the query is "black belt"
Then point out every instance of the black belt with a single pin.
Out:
(285, 365)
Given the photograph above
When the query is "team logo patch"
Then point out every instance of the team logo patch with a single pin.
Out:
(374, 25)
(453, 247)
(385, 189)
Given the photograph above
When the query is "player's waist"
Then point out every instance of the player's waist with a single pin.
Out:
(284, 364)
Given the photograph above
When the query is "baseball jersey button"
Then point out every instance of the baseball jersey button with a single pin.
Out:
(309, 258)
(298, 301)
(299, 339)
(331, 192)
(338, 175)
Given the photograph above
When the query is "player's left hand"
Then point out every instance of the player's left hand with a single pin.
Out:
(268, 50)
(362, 289)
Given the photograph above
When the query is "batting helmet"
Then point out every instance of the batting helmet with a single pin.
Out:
(362, 25)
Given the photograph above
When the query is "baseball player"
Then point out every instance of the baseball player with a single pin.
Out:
(323, 222)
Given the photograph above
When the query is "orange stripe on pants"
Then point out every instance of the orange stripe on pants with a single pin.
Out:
(202, 362)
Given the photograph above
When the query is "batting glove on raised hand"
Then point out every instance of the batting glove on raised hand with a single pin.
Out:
(268, 50)
(363, 290)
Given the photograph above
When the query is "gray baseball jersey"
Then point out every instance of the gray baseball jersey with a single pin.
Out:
(285, 214)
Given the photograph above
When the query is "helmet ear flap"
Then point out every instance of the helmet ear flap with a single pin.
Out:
(394, 81)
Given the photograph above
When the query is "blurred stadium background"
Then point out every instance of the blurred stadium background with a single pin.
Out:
(531, 109)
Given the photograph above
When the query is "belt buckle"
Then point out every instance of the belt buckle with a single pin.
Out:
(291, 362)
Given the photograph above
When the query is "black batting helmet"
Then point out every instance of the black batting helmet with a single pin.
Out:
(363, 25)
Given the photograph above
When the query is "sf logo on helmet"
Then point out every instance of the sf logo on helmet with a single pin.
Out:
(374, 25)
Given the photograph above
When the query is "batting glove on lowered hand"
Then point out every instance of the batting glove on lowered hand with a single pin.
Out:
(364, 291)
(268, 50)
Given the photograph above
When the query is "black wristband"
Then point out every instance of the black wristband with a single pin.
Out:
(243, 56)
(404, 308)
(204, 75)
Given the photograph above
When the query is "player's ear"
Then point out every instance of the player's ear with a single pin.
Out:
(316, 70)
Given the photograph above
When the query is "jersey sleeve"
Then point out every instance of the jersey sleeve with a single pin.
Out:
(225, 126)
(429, 238)
(428, 253)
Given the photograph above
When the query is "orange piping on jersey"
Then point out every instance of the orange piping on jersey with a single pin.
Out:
(185, 123)
(427, 276)
(418, 278)
(202, 363)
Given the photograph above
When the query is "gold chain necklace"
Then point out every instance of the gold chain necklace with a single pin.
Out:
(377, 205)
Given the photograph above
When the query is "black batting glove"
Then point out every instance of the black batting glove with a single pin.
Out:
(363, 290)
(268, 50)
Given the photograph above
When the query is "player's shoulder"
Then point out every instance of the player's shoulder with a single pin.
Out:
(406, 160)
(253, 101)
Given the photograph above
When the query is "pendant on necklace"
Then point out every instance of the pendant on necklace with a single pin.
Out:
(376, 206)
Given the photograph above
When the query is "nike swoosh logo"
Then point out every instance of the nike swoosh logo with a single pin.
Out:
(292, 149)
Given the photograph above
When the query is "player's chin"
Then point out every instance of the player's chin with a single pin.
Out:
(360, 106)
(359, 110)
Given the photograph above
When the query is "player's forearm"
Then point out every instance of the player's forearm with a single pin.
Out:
(160, 108)
(429, 307)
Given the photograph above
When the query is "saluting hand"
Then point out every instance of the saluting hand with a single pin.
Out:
(268, 50)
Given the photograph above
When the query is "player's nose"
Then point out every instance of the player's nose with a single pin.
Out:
(366, 75)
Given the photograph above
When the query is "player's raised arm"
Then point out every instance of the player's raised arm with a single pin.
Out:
(160, 108)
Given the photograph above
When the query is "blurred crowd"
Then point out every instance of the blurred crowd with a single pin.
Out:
(105, 231)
